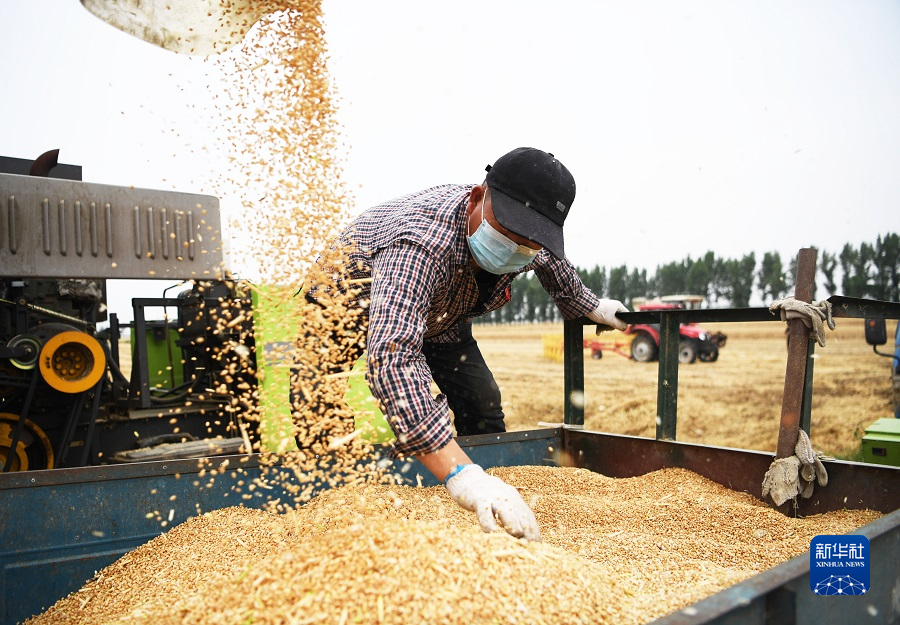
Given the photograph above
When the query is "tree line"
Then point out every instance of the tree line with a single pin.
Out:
(871, 270)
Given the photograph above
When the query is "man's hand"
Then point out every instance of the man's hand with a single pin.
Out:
(605, 314)
(490, 497)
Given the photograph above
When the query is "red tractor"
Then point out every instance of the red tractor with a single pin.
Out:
(694, 342)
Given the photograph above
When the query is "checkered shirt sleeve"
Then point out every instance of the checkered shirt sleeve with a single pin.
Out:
(404, 277)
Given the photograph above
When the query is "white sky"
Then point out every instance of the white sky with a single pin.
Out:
(739, 126)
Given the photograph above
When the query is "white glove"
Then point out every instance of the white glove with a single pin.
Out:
(605, 314)
(811, 468)
(815, 315)
(490, 497)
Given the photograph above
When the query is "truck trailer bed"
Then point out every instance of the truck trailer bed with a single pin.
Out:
(63, 525)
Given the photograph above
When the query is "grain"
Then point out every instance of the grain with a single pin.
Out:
(286, 200)
(284, 166)
(614, 551)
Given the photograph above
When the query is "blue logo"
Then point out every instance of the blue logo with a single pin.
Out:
(839, 565)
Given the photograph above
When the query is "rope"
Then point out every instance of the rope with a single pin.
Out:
(815, 315)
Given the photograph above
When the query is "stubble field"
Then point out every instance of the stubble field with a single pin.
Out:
(734, 402)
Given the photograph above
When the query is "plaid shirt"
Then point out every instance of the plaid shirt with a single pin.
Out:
(422, 286)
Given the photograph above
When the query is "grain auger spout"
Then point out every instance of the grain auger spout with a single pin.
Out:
(193, 27)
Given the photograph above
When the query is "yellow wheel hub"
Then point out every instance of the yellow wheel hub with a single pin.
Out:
(72, 362)
(33, 450)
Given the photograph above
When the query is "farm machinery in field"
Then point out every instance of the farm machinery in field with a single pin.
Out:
(193, 384)
(64, 400)
(640, 341)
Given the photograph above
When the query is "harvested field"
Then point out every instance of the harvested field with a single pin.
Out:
(734, 402)
(615, 551)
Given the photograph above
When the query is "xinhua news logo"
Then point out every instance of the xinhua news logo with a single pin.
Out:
(839, 565)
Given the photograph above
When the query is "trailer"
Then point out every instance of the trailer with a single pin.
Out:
(63, 525)
(60, 526)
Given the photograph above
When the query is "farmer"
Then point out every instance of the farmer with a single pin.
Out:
(409, 276)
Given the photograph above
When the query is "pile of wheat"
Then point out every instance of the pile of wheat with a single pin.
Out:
(614, 551)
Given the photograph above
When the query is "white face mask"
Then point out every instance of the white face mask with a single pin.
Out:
(496, 253)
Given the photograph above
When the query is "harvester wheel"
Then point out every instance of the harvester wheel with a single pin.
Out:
(33, 450)
(710, 356)
(687, 352)
(596, 354)
(644, 348)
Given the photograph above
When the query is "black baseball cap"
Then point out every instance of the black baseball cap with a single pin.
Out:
(531, 194)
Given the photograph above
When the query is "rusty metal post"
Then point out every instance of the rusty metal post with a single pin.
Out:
(667, 386)
(798, 345)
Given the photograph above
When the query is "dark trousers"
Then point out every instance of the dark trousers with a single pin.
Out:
(462, 375)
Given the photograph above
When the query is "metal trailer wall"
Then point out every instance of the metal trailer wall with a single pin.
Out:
(781, 595)
(61, 526)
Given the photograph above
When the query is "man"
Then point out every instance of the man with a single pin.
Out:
(412, 273)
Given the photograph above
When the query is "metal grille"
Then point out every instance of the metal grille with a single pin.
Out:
(69, 229)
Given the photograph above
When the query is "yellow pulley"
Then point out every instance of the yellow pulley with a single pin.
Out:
(33, 450)
(72, 362)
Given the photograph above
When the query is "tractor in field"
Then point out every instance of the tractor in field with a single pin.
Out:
(694, 342)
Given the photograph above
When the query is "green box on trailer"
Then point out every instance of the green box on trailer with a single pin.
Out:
(881, 443)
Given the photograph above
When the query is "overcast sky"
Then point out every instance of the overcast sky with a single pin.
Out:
(737, 127)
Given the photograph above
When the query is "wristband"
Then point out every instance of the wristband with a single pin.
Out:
(455, 471)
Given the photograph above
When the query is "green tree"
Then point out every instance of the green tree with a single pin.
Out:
(828, 265)
(543, 307)
(517, 303)
(717, 278)
(738, 280)
(886, 261)
(596, 281)
(855, 267)
(618, 283)
(699, 275)
(670, 278)
(872, 270)
(636, 285)
(771, 279)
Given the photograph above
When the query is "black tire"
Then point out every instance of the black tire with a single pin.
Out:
(687, 352)
(596, 354)
(710, 356)
(644, 348)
